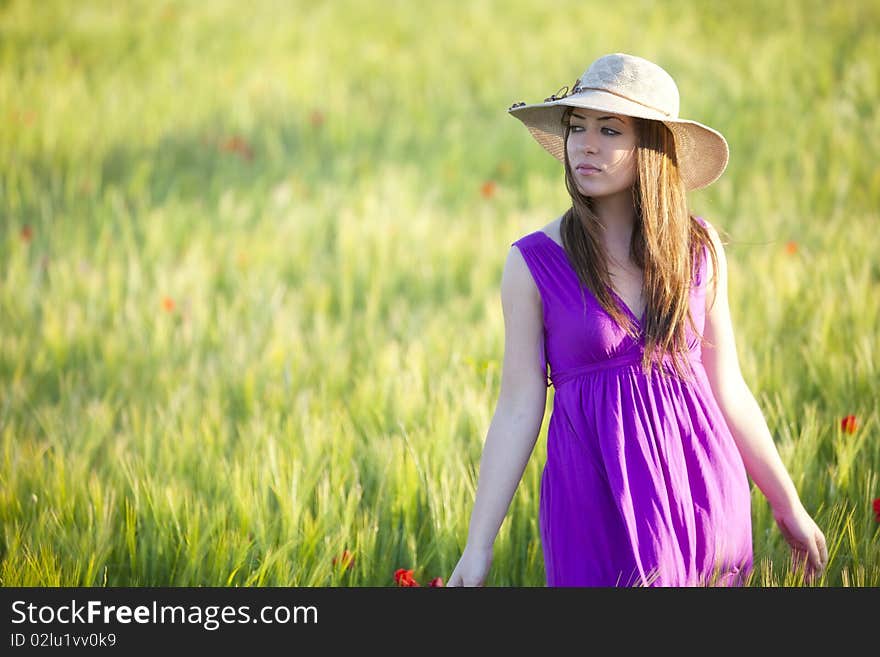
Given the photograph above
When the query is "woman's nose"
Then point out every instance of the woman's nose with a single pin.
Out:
(589, 142)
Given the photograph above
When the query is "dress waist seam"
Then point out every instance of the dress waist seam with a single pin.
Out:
(623, 361)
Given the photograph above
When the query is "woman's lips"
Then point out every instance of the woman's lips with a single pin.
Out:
(588, 170)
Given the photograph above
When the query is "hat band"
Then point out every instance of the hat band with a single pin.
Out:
(577, 90)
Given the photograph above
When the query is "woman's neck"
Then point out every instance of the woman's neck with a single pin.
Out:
(617, 214)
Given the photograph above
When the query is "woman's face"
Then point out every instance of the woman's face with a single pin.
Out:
(602, 152)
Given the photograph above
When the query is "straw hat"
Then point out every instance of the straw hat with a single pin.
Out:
(629, 85)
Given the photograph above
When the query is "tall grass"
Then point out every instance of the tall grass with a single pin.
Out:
(249, 307)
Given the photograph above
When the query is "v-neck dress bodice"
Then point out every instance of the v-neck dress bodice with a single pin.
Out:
(643, 483)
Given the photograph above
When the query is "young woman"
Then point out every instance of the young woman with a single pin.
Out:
(653, 430)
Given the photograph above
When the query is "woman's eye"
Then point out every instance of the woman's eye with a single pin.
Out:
(605, 131)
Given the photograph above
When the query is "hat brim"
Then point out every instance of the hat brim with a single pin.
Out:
(702, 152)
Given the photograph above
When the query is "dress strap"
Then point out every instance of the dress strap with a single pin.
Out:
(701, 266)
(536, 251)
(541, 266)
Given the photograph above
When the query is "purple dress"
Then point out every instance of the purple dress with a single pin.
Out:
(643, 483)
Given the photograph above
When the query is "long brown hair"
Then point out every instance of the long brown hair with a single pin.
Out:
(667, 244)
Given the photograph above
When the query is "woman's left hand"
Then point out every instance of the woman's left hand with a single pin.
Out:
(805, 538)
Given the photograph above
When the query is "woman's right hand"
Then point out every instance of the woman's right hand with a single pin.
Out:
(472, 568)
(806, 540)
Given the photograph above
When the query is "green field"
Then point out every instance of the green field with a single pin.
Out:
(250, 257)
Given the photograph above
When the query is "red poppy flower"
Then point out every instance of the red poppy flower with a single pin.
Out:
(27, 234)
(849, 424)
(436, 582)
(239, 146)
(25, 117)
(346, 558)
(791, 247)
(167, 304)
(316, 118)
(403, 577)
(877, 509)
(488, 188)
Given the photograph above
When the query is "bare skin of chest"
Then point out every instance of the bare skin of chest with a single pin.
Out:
(628, 285)
(627, 281)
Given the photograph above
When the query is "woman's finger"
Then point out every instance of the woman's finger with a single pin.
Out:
(823, 548)
(815, 558)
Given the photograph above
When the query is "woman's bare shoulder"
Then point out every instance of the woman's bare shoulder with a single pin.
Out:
(553, 230)
(517, 275)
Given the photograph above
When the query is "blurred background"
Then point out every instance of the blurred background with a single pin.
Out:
(250, 256)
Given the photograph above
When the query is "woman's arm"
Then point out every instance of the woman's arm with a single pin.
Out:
(516, 422)
(747, 423)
